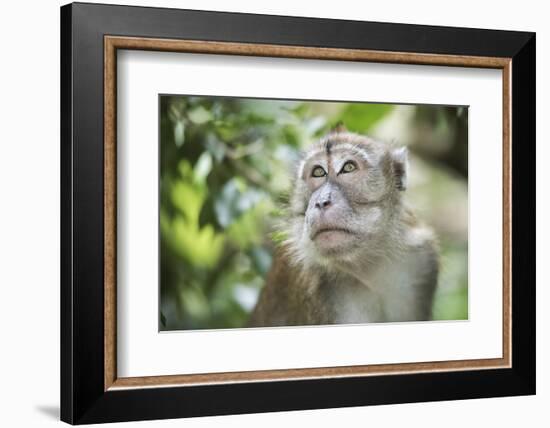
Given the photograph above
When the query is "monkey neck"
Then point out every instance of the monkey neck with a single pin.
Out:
(364, 273)
(365, 267)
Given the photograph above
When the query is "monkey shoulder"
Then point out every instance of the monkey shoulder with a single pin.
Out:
(415, 276)
(422, 247)
(283, 295)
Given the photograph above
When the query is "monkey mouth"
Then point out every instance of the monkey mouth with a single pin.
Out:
(322, 230)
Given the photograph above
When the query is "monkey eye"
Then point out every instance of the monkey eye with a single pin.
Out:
(348, 167)
(318, 172)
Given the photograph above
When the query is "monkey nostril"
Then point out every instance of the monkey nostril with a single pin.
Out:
(323, 204)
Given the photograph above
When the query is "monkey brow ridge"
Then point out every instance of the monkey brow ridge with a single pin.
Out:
(336, 141)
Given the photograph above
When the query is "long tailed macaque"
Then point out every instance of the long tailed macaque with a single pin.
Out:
(355, 253)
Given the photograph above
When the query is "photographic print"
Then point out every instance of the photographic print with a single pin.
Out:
(352, 201)
(302, 212)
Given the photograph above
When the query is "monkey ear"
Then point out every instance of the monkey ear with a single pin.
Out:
(400, 161)
(339, 127)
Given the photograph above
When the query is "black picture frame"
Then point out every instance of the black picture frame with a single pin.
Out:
(83, 396)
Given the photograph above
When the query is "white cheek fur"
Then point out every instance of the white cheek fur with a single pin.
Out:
(373, 216)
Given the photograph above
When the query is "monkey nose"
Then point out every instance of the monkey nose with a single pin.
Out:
(325, 203)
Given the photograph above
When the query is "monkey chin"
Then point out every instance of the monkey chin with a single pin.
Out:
(333, 242)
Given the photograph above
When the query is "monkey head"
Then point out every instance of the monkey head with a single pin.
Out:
(346, 196)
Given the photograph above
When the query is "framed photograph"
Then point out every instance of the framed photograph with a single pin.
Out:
(266, 213)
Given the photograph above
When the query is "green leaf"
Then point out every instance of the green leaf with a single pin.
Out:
(189, 199)
(361, 118)
(179, 133)
(202, 247)
(199, 115)
(202, 167)
(195, 303)
(235, 199)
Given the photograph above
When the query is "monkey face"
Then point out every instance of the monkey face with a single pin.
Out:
(329, 221)
(342, 189)
(346, 190)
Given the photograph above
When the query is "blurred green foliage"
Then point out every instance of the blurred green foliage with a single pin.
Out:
(225, 168)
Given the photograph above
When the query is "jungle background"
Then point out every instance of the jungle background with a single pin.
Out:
(225, 167)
